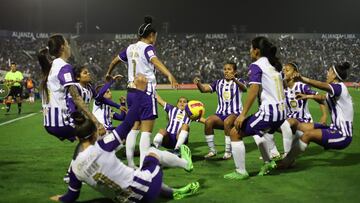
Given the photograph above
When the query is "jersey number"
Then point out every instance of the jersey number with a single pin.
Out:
(134, 67)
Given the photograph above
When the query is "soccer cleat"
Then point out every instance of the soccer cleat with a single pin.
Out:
(186, 154)
(210, 154)
(227, 155)
(236, 176)
(266, 168)
(188, 190)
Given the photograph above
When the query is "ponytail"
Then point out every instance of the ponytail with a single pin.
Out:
(45, 62)
(268, 50)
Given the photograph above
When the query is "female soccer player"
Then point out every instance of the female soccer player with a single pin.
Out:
(229, 106)
(296, 95)
(264, 74)
(177, 130)
(98, 166)
(58, 78)
(141, 58)
(103, 103)
(339, 134)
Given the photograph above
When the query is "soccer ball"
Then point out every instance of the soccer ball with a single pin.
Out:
(195, 109)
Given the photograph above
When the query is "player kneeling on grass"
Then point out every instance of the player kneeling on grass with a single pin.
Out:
(339, 134)
(98, 166)
(177, 130)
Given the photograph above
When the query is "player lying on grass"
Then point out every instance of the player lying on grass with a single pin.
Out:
(177, 129)
(98, 166)
(339, 134)
(228, 90)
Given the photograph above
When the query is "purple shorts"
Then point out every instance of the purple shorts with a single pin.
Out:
(256, 126)
(146, 104)
(171, 141)
(223, 117)
(332, 138)
(63, 133)
(153, 183)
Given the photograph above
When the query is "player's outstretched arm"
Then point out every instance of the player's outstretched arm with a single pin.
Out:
(112, 65)
(160, 100)
(82, 106)
(162, 68)
(203, 88)
(318, 84)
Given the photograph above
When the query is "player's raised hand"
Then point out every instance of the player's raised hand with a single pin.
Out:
(122, 99)
(196, 80)
(100, 129)
(230, 76)
(173, 82)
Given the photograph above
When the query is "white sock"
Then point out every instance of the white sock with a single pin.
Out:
(270, 142)
(144, 145)
(210, 142)
(298, 133)
(227, 144)
(158, 140)
(238, 152)
(297, 148)
(263, 148)
(287, 136)
(130, 146)
(181, 138)
(169, 159)
(257, 139)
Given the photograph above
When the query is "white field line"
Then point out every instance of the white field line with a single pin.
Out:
(16, 119)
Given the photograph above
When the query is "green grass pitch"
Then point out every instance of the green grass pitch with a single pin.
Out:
(32, 164)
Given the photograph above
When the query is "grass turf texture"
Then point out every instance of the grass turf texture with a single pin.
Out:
(32, 163)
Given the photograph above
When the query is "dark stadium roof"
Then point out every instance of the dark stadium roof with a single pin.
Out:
(182, 16)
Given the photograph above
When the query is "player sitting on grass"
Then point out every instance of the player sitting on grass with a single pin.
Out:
(98, 166)
(177, 130)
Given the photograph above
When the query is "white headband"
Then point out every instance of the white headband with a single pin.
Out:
(336, 73)
(141, 33)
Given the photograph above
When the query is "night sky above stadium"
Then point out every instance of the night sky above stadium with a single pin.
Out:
(182, 16)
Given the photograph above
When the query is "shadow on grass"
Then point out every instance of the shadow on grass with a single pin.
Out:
(6, 163)
(338, 159)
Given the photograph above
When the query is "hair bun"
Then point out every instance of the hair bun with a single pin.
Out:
(78, 117)
(345, 65)
(148, 19)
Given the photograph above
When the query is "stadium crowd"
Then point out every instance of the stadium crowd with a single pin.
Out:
(191, 55)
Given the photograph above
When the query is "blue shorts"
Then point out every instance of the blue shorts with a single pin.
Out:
(256, 126)
(223, 117)
(152, 180)
(332, 138)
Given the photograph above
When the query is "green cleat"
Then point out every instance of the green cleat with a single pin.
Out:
(188, 190)
(267, 167)
(186, 154)
(236, 176)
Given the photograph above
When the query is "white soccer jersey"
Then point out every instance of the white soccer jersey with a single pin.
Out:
(341, 107)
(138, 57)
(103, 113)
(272, 98)
(56, 112)
(95, 165)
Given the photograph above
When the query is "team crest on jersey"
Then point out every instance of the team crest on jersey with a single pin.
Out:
(226, 95)
(179, 117)
(293, 104)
